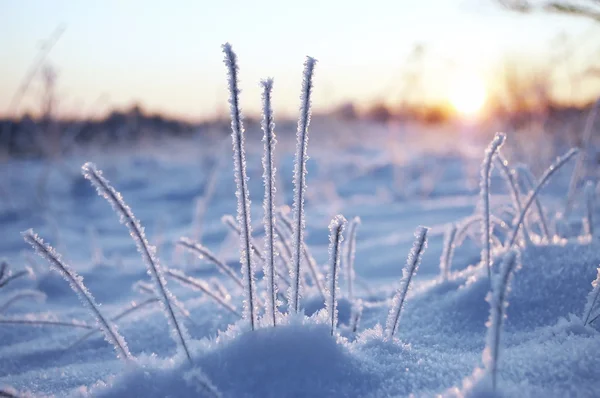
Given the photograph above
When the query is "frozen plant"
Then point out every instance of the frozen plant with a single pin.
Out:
(6, 276)
(133, 307)
(202, 286)
(268, 127)
(241, 179)
(300, 184)
(511, 178)
(336, 231)
(590, 202)
(310, 260)
(21, 295)
(486, 171)
(498, 304)
(529, 181)
(545, 178)
(447, 251)
(204, 252)
(147, 251)
(229, 221)
(592, 300)
(412, 264)
(110, 330)
(351, 255)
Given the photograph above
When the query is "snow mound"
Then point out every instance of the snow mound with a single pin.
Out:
(288, 360)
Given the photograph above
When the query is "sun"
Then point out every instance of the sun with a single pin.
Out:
(468, 95)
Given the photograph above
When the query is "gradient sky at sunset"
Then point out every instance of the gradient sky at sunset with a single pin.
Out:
(166, 55)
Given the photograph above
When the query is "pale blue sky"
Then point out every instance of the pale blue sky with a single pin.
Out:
(166, 54)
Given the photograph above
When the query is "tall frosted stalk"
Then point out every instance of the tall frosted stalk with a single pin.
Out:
(300, 183)
(336, 231)
(241, 179)
(350, 256)
(268, 127)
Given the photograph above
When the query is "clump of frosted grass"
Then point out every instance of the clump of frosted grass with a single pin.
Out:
(412, 264)
(147, 251)
(241, 179)
(110, 330)
(336, 231)
(486, 171)
(300, 184)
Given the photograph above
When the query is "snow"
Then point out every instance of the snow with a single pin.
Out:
(545, 348)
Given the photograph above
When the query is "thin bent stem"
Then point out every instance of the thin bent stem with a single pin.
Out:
(147, 252)
(549, 172)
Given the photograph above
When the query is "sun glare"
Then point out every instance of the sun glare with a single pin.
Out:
(468, 95)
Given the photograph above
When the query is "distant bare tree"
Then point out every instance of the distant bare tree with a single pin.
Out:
(583, 8)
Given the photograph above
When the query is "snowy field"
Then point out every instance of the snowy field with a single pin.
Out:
(393, 178)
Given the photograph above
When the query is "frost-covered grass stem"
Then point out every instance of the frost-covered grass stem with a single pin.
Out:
(547, 174)
(110, 331)
(592, 300)
(336, 236)
(300, 183)
(412, 264)
(269, 140)
(351, 255)
(241, 179)
(447, 251)
(486, 171)
(147, 251)
(529, 181)
(204, 252)
(497, 300)
(590, 204)
(201, 286)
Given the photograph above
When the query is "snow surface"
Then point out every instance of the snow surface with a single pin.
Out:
(393, 179)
